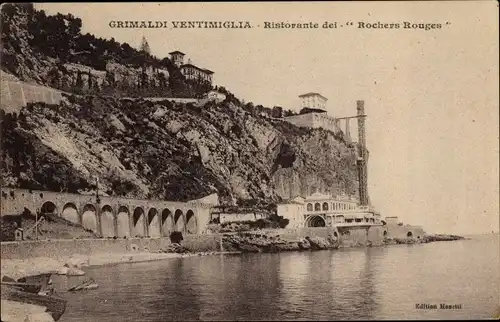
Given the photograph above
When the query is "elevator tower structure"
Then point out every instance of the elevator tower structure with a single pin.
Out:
(362, 156)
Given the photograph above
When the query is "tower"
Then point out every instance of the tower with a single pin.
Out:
(362, 159)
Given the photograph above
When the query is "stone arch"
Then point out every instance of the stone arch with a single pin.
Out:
(167, 222)
(138, 222)
(309, 207)
(70, 213)
(409, 234)
(178, 220)
(191, 222)
(48, 208)
(122, 222)
(89, 217)
(325, 206)
(317, 206)
(107, 221)
(153, 223)
(315, 221)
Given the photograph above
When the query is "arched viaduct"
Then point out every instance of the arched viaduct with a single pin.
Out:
(111, 216)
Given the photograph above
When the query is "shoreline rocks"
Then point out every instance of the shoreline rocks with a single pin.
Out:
(426, 239)
(255, 243)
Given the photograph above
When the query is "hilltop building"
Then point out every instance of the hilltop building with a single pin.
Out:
(197, 74)
(313, 114)
(313, 100)
(177, 58)
(191, 71)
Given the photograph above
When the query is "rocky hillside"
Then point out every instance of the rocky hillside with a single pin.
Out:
(166, 150)
(137, 148)
(51, 50)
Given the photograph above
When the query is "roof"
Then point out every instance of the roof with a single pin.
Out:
(176, 52)
(196, 67)
(318, 196)
(313, 94)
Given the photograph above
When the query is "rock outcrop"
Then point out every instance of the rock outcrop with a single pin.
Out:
(423, 240)
(186, 153)
(261, 243)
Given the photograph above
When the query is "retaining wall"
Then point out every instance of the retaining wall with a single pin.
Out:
(62, 249)
(17, 94)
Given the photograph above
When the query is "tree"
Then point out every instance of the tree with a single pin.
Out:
(145, 46)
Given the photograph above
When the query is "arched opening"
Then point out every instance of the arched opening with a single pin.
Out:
(89, 219)
(315, 221)
(70, 213)
(178, 221)
(153, 224)
(122, 221)
(335, 234)
(325, 206)
(409, 235)
(166, 222)
(107, 221)
(317, 207)
(191, 224)
(48, 208)
(138, 222)
(385, 233)
(309, 207)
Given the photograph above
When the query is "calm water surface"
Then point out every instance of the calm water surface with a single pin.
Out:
(371, 283)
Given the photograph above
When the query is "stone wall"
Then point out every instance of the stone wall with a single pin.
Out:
(61, 249)
(16, 94)
(396, 231)
(315, 120)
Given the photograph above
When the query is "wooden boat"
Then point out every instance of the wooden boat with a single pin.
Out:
(55, 305)
(24, 287)
(42, 279)
(87, 285)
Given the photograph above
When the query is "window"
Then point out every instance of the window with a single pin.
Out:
(317, 207)
(325, 206)
(309, 207)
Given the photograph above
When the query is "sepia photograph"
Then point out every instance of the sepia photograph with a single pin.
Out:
(249, 161)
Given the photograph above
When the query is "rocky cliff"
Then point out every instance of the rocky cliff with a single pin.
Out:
(176, 151)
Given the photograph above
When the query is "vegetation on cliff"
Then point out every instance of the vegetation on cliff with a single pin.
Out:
(173, 151)
(38, 47)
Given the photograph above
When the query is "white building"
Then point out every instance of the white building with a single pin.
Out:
(313, 100)
(215, 95)
(196, 73)
(319, 210)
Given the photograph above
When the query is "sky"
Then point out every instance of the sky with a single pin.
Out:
(431, 96)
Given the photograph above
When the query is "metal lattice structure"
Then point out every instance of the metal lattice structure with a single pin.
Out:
(362, 159)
